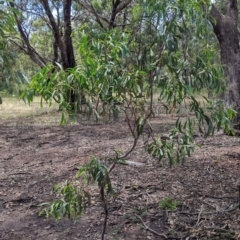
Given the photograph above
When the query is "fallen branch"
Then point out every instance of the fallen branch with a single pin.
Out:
(219, 229)
(217, 197)
(151, 230)
(18, 173)
(197, 213)
(199, 217)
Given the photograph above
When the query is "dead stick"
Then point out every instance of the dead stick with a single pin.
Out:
(199, 215)
(151, 230)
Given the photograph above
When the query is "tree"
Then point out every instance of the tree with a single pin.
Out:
(177, 59)
(9, 77)
(225, 27)
(59, 26)
(54, 20)
(61, 30)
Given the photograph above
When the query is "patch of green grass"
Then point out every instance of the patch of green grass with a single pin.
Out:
(168, 203)
(228, 235)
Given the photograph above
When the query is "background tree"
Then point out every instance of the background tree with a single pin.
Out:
(51, 22)
(10, 77)
(172, 60)
(57, 25)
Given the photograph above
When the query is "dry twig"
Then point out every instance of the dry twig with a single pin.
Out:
(151, 230)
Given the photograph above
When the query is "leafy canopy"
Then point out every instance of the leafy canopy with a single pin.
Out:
(166, 47)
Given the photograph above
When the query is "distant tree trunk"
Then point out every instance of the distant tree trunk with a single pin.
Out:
(64, 43)
(226, 30)
(62, 40)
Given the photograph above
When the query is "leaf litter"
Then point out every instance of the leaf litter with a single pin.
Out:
(34, 157)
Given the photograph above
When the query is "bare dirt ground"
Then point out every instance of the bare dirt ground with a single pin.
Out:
(36, 153)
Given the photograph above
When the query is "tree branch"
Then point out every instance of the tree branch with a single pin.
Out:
(33, 54)
(97, 17)
(114, 13)
(56, 32)
(90, 9)
(151, 230)
(123, 5)
(19, 46)
(117, 7)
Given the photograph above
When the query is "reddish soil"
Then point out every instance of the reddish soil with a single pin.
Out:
(35, 155)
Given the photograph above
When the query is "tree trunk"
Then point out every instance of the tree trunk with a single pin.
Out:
(226, 30)
(64, 44)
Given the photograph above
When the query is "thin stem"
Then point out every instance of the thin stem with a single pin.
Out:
(105, 211)
(132, 148)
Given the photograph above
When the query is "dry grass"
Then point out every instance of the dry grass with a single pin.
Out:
(13, 108)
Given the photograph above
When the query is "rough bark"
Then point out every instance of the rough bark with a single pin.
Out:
(65, 46)
(67, 34)
(226, 31)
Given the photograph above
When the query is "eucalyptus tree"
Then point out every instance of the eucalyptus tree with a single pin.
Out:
(10, 77)
(54, 19)
(34, 13)
(6, 26)
(177, 57)
(225, 26)
(163, 44)
(52, 22)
